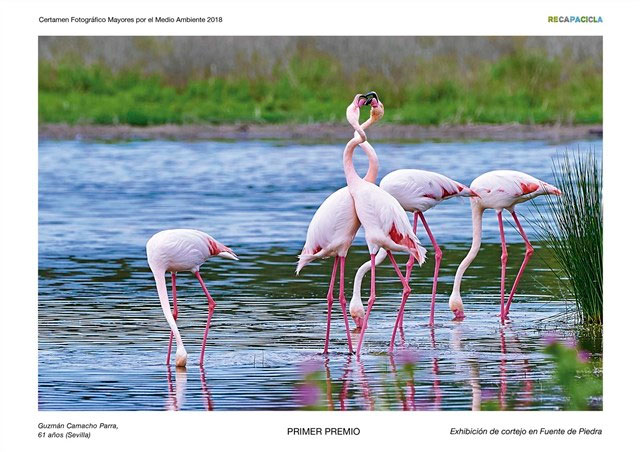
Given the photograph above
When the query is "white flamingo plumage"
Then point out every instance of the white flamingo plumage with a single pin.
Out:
(176, 250)
(499, 190)
(417, 191)
(335, 223)
(383, 218)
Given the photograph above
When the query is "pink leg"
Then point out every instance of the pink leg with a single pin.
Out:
(405, 294)
(372, 299)
(410, 263)
(330, 304)
(343, 303)
(438, 254)
(503, 260)
(212, 305)
(527, 256)
(175, 313)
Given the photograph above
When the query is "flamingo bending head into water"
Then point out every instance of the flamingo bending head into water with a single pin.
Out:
(335, 223)
(176, 250)
(417, 191)
(385, 223)
(499, 190)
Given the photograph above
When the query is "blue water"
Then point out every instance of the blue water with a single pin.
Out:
(103, 338)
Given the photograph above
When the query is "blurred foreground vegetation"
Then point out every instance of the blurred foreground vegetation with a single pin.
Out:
(421, 80)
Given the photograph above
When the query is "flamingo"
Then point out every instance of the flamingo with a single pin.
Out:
(176, 250)
(417, 191)
(499, 190)
(335, 223)
(383, 218)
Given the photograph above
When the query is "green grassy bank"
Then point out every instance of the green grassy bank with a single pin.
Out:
(526, 87)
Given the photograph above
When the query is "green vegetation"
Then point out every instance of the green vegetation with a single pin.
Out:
(575, 374)
(524, 86)
(573, 232)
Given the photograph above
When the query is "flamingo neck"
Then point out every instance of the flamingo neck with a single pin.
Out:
(363, 270)
(372, 171)
(476, 217)
(347, 161)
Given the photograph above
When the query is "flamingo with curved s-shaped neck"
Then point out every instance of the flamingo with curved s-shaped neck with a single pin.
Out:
(417, 191)
(177, 250)
(335, 223)
(385, 223)
(499, 190)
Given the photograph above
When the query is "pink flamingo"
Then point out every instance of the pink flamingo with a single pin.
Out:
(417, 191)
(501, 189)
(176, 250)
(383, 218)
(335, 223)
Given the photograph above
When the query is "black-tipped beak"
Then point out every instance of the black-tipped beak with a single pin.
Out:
(370, 96)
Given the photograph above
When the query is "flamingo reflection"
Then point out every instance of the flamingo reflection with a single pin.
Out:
(176, 394)
(208, 401)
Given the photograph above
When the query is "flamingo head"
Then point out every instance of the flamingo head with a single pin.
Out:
(181, 357)
(455, 304)
(353, 114)
(356, 309)
(377, 109)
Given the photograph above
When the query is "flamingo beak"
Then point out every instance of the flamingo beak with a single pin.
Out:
(362, 100)
(458, 314)
(359, 321)
(474, 194)
(372, 98)
(227, 253)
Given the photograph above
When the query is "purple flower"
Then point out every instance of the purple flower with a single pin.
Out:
(307, 394)
(550, 339)
(584, 356)
(408, 357)
(488, 394)
(310, 367)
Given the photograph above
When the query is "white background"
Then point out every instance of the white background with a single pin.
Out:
(267, 430)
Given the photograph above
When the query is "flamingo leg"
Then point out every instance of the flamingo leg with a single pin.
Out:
(343, 303)
(410, 263)
(405, 295)
(525, 261)
(175, 313)
(212, 305)
(372, 299)
(438, 254)
(503, 260)
(330, 304)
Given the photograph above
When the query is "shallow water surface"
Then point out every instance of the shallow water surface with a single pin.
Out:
(103, 338)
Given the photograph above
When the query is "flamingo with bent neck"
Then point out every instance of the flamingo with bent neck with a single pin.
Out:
(499, 190)
(176, 250)
(335, 223)
(385, 223)
(417, 191)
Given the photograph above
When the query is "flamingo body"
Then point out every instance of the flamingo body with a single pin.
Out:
(384, 220)
(418, 190)
(332, 229)
(504, 189)
(177, 250)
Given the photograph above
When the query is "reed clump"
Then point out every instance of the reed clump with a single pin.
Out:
(573, 230)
